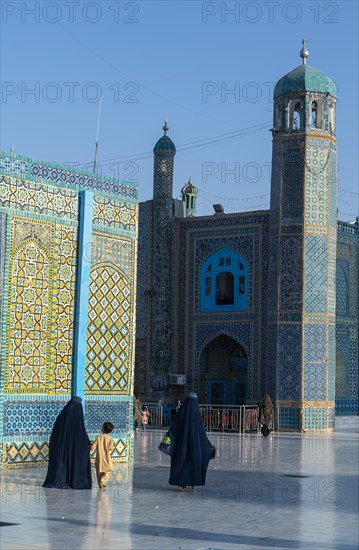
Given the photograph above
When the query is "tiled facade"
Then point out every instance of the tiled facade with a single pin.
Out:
(299, 333)
(41, 259)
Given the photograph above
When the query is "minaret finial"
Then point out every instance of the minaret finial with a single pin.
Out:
(304, 52)
(165, 128)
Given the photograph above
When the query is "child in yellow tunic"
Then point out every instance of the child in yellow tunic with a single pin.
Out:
(104, 445)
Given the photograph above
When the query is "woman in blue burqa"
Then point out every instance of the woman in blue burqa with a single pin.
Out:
(69, 450)
(190, 447)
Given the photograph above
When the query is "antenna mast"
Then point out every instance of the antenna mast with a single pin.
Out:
(98, 128)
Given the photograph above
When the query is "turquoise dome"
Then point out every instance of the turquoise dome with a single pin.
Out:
(305, 78)
(164, 146)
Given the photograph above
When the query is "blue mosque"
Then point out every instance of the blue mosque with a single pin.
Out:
(102, 296)
(232, 305)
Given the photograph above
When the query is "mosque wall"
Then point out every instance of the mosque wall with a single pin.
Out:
(347, 323)
(40, 262)
(197, 239)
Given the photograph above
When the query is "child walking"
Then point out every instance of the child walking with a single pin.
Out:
(104, 445)
(145, 415)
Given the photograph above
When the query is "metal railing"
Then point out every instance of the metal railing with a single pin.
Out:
(219, 418)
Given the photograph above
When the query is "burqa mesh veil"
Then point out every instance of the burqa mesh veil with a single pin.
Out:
(190, 447)
(69, 450)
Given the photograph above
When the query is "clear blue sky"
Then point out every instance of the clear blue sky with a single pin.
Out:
(176, 59)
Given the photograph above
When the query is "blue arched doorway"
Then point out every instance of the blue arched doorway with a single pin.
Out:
(223, 364)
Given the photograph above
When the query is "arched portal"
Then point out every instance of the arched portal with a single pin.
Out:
(223, 364)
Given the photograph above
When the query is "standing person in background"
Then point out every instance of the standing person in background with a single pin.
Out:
(137, 410)
(69, 459)
(190, 447)
(265, 414)
(145, 415)
(104, 445)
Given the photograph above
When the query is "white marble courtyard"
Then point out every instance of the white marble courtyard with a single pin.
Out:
(287, 491)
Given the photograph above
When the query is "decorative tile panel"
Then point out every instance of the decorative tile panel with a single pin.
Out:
(30, 418)
(291, 275)
(60, 175)
(29, 332)
(315, 274)
(100, 411)
(289, 363)
(315, 362)
(109, 331)
(289, 418)
(109, 212)
(38, 198)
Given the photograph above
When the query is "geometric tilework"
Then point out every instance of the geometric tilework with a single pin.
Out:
(331, 362)
(342, 287)
(270, 378)
(316, 419)
(292, 186)
(25, 453)
(111, 212)
(29, 319)
(315, 276)
(35, 453)
(289, 362)
(273, 274)
(289, 418)
(40, 307)
(108, 332)
(142, 274)
(347, 320)
(331, 417)
(341, 375)
(161, 288)
(30, 418)
(291, 275)
(163, 177)
(38, 198)
(316, 200)
(117, 412)
(64, 275)
(333, 175)
(2, 274)
(123, 451)
(315, 362)
(117, 249)
(60, 175)
(38, 265)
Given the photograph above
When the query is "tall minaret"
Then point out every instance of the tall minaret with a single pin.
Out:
(302, 254)
(161, 267)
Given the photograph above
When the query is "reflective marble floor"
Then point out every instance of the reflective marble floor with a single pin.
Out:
(287, 491)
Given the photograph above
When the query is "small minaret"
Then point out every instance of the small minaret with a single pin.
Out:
(164, 152)
(189, 197)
